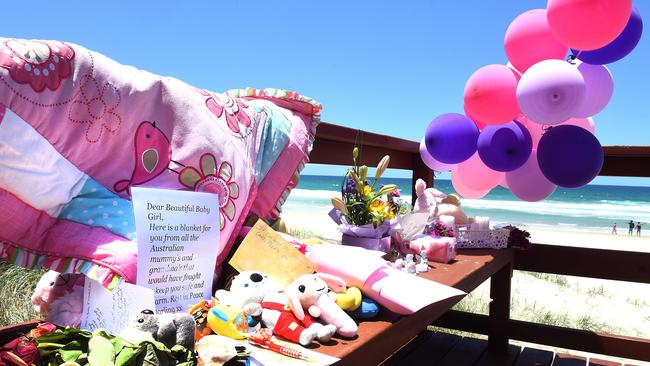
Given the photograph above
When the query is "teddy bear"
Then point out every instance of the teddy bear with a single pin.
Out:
(168, 329)
(310, 292)
(247, 291)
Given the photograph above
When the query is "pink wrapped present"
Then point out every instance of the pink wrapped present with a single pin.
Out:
(440, 249)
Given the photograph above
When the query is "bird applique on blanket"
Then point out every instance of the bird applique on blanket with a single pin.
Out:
(78, 130)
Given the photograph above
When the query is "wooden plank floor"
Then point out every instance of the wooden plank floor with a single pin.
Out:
(444, 349)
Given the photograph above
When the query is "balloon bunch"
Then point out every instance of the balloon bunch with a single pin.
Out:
(527, 125)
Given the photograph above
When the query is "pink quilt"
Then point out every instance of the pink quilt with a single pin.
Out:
(77, 130)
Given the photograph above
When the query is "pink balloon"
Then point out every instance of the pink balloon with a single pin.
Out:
(491, 95)
(529, 40)
(431, 162)
(464, 191)
(479, 124)
(528, 183)
(551, 91)
(599, 87)
(514, 69)
(536, 130)
(587, 24)
(475, 175)
(504, 182)
(586, 123)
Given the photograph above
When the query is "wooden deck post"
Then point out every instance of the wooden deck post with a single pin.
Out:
(498, 335)
(420, 170)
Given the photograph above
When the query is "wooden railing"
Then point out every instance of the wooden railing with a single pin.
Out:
(334, 144)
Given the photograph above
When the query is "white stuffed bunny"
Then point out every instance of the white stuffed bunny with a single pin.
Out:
(427, 198)
(437, 203)
(311, 292)
(277, 316)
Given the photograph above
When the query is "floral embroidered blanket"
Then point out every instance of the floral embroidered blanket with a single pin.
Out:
(77, 130)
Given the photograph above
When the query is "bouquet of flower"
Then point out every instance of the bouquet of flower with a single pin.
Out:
(438, 228)
(366, 211)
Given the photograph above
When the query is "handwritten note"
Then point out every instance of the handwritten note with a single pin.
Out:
(178, 245)
(265, 250)
(112, 311)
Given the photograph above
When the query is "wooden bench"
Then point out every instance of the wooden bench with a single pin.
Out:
(379, 339)
(333, 145)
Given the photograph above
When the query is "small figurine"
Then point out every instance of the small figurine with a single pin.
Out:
(423, 266)
(409, 264)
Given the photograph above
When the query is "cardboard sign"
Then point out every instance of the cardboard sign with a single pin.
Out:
(266, 251)
(112, 311)
(178, 244)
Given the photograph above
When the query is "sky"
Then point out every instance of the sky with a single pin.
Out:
(383, 66)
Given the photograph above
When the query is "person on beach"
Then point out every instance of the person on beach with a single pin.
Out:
(614, 229)
(638, 228)
(631, 225)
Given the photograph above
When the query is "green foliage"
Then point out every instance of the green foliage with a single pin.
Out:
(102, 349)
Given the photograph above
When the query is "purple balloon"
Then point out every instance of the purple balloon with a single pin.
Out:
(451, 138)
(505, 147)
(551, 91)
(619, 47)
(599, 87)
(569, 156)
(432, 163)
(528, 183)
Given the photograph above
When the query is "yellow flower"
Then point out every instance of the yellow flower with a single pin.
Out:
(367, 191)
(377, 206)
(388, 212)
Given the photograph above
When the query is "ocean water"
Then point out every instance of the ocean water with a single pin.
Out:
(591, 208)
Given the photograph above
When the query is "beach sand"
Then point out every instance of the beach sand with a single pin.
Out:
(602, 305)
(322, 225)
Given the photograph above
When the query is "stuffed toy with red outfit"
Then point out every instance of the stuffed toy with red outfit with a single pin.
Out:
(278, 316)
(310, 292)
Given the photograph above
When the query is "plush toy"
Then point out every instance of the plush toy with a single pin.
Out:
(427, 198)
(450, 206)
(247, 291)
(349, 300)
(357, 306)
(437, 203)
(168, 329)
(59, 297)
(229, 321)
(280, 319)
(311, 292)
(67, 309)
(199, 312)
